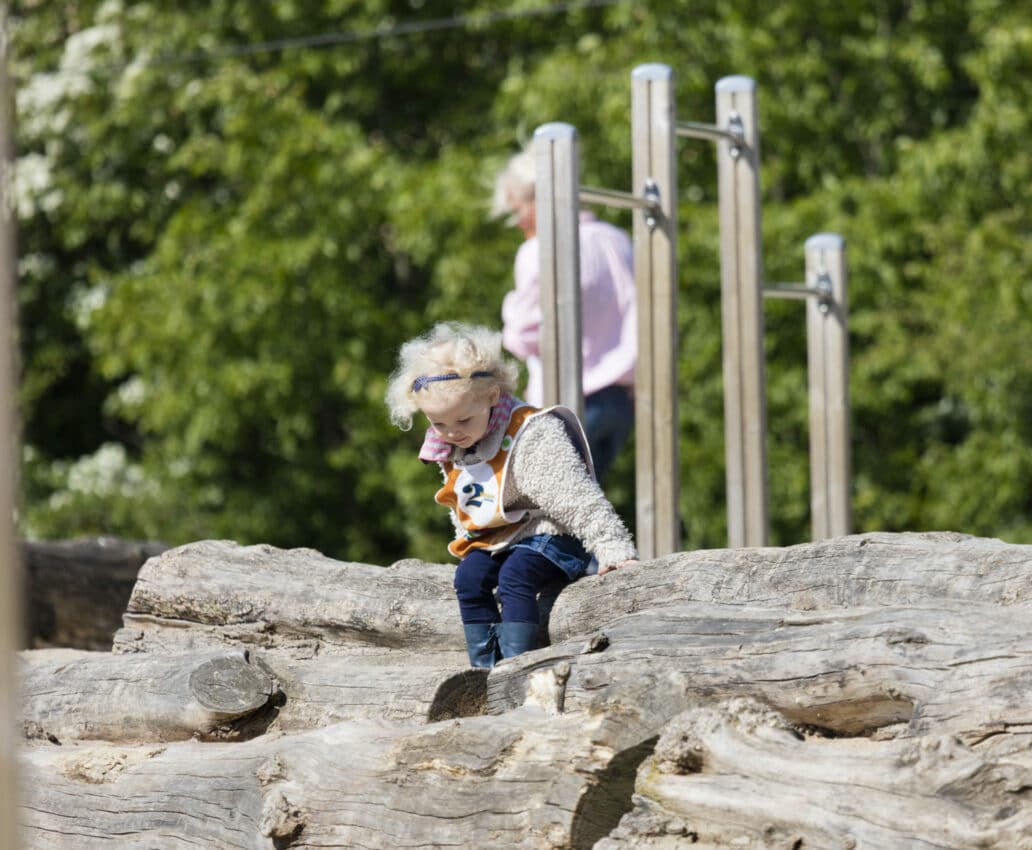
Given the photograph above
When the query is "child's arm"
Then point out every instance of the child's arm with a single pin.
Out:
(547, 469)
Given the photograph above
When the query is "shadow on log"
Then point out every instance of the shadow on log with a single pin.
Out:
(79, 589)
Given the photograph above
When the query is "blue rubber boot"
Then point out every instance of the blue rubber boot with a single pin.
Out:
(481, 643)
(516, 638)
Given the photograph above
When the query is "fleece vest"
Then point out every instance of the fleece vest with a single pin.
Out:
(474, 492)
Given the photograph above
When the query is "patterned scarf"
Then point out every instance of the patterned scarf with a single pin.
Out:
(437, 449)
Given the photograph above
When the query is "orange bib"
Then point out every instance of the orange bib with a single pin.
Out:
(474, 492)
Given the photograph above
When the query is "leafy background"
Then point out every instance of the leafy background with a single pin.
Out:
(232, 213)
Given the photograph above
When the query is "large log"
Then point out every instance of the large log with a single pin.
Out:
(303, 601)
(845, 572)
(738, 775)
(962, 668)
(875, 643)
(219, 593)
(734, 775)
(78, 589)
(528, 779)
(140, 699)
(159, 698)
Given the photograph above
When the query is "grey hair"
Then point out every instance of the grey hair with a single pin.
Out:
(448, 347)
(515, 180)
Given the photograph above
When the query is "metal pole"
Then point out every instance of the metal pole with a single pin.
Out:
(10, 585)
(827, 347)
(741, 264)
(557, 181)
(653, 142)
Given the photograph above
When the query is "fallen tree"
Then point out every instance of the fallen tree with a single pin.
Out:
(846, 572)
(297, 600)
(259, 698)
(737, 775)
(947, 667)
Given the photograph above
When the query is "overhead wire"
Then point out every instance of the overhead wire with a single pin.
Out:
(476, 20)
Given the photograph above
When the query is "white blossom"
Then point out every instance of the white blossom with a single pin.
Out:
(107, 472)
(41, 102)
(132, 393)
(86, 302)
(33, 188)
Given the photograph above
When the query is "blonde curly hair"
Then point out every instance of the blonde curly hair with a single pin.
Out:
(451, 358)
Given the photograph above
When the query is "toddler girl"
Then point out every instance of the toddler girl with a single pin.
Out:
(517, 480)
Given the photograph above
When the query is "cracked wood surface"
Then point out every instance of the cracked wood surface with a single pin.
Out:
(525, 780)
(738, 775)
(857, 571)
(964, 668)
(138, 699)
(217, 592)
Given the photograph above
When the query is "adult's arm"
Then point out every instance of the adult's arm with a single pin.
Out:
(609, 305)
(521, 307)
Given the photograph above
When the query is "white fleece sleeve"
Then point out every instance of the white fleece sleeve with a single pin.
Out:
(547, 470)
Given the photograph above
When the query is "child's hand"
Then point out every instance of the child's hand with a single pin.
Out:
(629, 562)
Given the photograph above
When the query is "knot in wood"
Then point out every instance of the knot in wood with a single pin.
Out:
(280, 817)
(680, 749)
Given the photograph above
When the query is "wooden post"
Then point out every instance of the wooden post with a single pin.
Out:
(827, 351)
(557, 183)
(741, 264)
(653, 142)
(10, 585)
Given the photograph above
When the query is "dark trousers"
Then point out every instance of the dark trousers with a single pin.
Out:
(519, 574)
(608, 417)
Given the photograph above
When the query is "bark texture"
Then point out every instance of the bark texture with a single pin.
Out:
(738, 775)
(869, 691)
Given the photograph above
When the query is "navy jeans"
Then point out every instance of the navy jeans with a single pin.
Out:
(608, 417)
(519, 573)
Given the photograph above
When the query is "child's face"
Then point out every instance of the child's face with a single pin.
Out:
(460, 420)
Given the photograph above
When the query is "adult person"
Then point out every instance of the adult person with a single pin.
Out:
(608, 312)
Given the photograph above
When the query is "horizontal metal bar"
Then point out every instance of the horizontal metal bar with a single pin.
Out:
(614, 198)
(697, 130)
(793, 290)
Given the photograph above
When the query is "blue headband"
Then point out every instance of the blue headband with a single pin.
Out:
(423, 380)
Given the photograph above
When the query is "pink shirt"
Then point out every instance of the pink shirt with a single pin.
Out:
(609, 324)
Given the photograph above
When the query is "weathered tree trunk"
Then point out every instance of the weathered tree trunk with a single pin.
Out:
(871, 689)
(737, 775)
(78, 589)
(139, 699)
(527, 779)
(218, 593)
(949, 667)
(845, 572)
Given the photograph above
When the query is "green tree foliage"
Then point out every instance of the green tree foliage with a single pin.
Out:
(231, 214)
